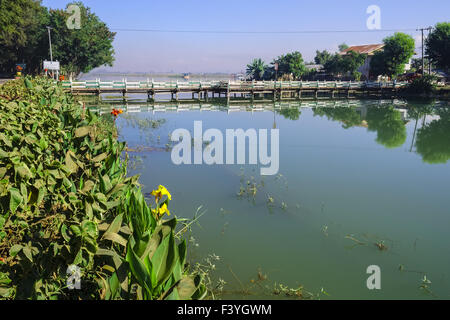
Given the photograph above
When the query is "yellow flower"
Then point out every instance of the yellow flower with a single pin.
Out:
(160, 192)
(159, 212)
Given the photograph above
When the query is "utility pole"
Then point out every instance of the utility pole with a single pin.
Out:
(423, 57)
(50, 43)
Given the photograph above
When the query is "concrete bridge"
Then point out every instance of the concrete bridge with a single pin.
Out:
(204, 90)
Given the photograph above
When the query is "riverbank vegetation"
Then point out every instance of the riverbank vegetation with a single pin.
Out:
(68, 209)
(24, 38)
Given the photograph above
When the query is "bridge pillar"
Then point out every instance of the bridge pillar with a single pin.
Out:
(206, 95)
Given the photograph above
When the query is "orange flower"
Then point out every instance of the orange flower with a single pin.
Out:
(115, 112)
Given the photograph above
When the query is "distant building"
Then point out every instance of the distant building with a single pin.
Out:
(369, 50)
(317, 67)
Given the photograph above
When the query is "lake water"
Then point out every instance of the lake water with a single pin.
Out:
(354, 177)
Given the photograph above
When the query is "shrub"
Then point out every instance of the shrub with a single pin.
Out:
(66, 199)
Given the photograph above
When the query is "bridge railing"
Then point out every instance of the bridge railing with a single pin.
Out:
(226, 85)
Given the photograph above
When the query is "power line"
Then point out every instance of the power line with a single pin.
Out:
(259, 32)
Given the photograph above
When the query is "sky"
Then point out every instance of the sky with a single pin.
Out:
(138, 51)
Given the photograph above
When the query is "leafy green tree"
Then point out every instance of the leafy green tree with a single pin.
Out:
(433, 140)
(291, 63)
(322, 57)
(24, 38)
(334, 65)
(389, 125)
(349, 117)
(256, 69)
(290, 113)
(81, 50)
(438, 46)
(397, 51)
(342, 47)
(345, 64)
(22, 34)
(352, 61)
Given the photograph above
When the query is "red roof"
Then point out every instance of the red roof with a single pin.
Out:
(364, 49)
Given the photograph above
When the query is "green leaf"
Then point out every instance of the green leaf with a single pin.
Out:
(70, 163)
(90, 228)
(15, 249)
(114, 285)
(28, 254)
(115, 238)
(164, 259)
(173, 295)
(83, 131)
(15, 199)
(138, 269)
(186, 288)
(100, 157)
(114, 227)
(28, 84)
(24, 171)
(41, 194)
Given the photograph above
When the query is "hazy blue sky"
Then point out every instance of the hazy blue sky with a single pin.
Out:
(200, 52)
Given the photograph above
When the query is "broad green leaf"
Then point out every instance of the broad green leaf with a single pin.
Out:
(27, 253)
(15, 199)
(15, 249)
(186, 288)
(116, 224)
(164, 259)
(70, 163)
(23, 171)
(115, 238)
(100, 157)
(82, 131)
(138, 269)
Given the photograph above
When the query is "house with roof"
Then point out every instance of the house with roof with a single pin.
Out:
(369, 50)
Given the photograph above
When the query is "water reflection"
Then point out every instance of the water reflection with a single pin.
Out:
(433, 139)
(388, 118)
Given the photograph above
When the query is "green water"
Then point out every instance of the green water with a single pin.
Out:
(378, 172)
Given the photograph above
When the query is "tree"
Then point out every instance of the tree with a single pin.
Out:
(438, 46)
(290, 113)
(81, 50)
(256, 69)
(24, 38)
(345, 64)
(22, 34)
(334, 65)
(342, 47)
(322, 57)
(291, 63)
(352, 61)
(349, 117)
(388, 123)
(433, 140)
(397, 51)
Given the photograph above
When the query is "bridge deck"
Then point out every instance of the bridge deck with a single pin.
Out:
(223, 86)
